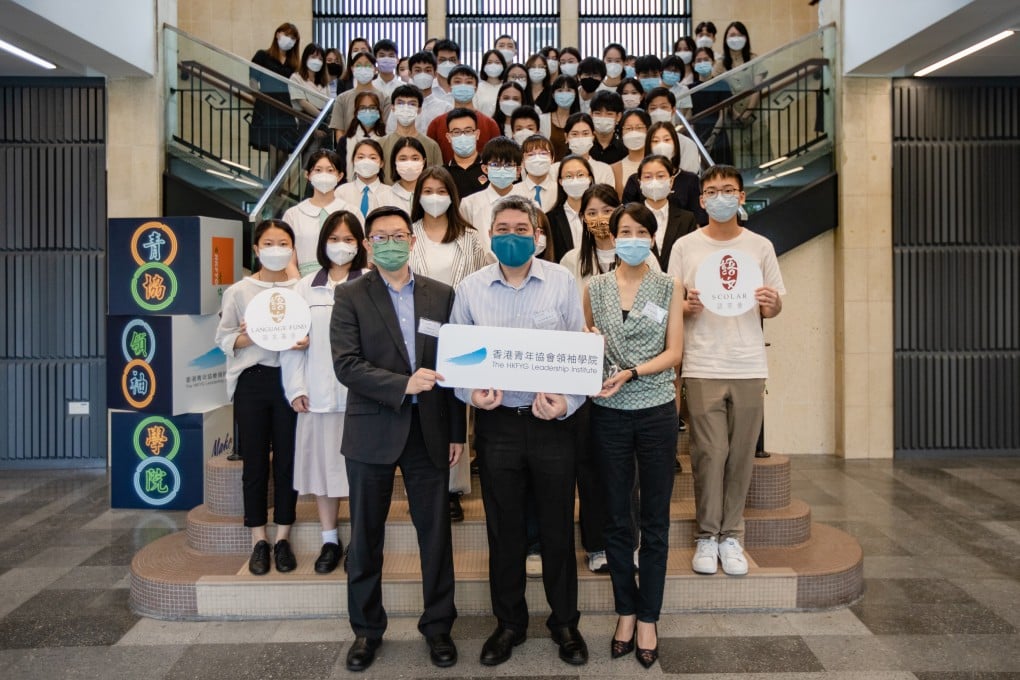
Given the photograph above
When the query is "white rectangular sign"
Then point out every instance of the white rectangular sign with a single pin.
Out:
(520, 359)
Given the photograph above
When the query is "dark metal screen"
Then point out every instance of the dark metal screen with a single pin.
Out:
(956, 246)
(475, 25)
(336, 22)
(53, 271)
(642, 26)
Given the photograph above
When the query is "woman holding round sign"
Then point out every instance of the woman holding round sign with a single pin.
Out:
(310, 384)
(639, 311)
(260, 316)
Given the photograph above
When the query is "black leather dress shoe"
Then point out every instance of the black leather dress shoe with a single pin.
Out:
(500, 645)
(329, 557)
(456, 511)
(573, 648)
(258, 563)
(284, 556)
(442, 651)
(362, 653)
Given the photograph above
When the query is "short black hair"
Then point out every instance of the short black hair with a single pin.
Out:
(407, 91)
(673, 62)
(661, 92)
(637, 212)
(265, 225)
(570, 50)
(502, 149)
(329, 154)
(607, 100)
(463, 70)
(725, 172)
(360, 260)
(446, 45)
(384, 44)
(525, 111)
(576, 118)
(707, 25)
(422, 58)
(648, 63)
(385, 211)
(591, 66)
(615, 46)
(454, 114)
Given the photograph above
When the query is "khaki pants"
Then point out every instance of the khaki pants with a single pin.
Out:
(725, 420)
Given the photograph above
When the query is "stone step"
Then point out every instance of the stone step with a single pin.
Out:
(170, 580)
(211, 533)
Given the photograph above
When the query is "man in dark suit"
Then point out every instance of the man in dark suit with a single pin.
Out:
(383, 332)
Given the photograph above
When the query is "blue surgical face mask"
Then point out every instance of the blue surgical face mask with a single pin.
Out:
(464, 145)
(629, 72)
(564, 100)
(462, 93)
(501, 178)
(722, 208)
(513, 250)
(368, 117)
(633, 251)
(670, 78)
(703, 68)
(649, 84)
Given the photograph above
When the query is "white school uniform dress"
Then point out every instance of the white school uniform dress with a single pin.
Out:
(400, 197)
(378, 194)
(319, 466)
(485, 98)
(306, 220)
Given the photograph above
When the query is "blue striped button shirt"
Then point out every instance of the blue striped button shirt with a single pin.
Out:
(547, 299)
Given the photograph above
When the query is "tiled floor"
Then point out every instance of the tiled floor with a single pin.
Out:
(942, 562)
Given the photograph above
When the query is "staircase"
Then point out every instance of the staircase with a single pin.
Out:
(202, 572)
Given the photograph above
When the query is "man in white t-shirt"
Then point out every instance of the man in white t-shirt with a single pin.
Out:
(724, 366)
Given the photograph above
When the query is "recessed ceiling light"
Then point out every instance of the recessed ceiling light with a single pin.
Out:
(27, 56)
(964, 53)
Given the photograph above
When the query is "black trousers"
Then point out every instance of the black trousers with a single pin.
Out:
(591, 492)
(428, 500)
(265, 419)
(516, 449)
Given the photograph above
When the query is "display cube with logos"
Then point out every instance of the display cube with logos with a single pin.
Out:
(158, 462)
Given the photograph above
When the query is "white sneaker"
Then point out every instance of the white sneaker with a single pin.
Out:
(731, 554)
(533, 566)
(706, 556)
(597, 562)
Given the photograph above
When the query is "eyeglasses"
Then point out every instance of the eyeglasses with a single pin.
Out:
(499, 165)
(402, 237)
(459, 133)
(727, 192)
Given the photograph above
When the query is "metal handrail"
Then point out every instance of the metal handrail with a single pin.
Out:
(295, 156)
(806, 68)
(697, 140)
(243, 92)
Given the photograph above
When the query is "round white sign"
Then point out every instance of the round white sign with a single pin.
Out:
(277, 318)
(726, 281)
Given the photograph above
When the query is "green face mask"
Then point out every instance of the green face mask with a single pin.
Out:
(391, 255)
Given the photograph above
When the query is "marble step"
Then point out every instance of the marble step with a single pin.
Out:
(211, 533)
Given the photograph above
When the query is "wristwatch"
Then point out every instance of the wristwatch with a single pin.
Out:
(633, 373)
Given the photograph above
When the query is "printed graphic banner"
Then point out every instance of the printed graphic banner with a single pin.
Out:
(726, 281)
(520, 360)
(277, 319)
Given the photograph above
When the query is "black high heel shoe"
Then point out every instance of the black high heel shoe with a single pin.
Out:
(647, 657)
(618, 648)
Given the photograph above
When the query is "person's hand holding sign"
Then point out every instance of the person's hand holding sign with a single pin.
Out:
(423, 380)
(486, 399)
(769, 301)
(549, 406)
(301, 344)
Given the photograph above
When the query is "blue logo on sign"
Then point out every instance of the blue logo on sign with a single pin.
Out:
(469, 359)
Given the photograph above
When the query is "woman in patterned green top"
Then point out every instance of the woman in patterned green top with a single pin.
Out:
(640, 314)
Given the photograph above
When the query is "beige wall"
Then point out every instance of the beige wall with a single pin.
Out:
(243, 26)
(770, 23)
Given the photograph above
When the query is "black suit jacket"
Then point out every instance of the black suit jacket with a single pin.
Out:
(369, 357)
(686, 194)
(679, 223)
(562, 238)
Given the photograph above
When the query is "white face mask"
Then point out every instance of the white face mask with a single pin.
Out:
(634, 140)
(536, 75)
(655, 189)
(387, 64)
(613, 69)
(508, 106)
(523, 82)
(285, 42)
(660, 115)
(553, 64)
(604, 124)
(341, 253)
(704, 41)
(275, 258)
(685, 56)
(575, 188)
(581, 145)
(664, 149)
(736, 42)
(631, 101)
(314, 65)
(323, 181)
(508, 54)
(423, 81)
(405, 114)
(363, 74)
(569, 69)
(493, 70)
(522, 135)
(444, 68)
(409, 170)
(540, 244)
(537, 165)
(366, 168)
(435, 204)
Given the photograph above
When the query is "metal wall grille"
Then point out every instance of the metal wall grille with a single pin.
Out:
(53, 270)
(475, 25)
(336, 22)
(642, 26)
(956, 249)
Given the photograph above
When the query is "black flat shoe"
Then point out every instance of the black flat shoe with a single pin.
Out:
(647, 657)
(442, 651)
(258, 563)
(362, 653)
(500, 646)
(329, 558)
(573, 648)
(456, 511)
(284, 556)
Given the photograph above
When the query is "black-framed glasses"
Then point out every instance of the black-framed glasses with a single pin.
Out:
(402, 237)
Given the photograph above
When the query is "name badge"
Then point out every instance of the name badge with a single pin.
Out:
(429, 327)
(654, 312)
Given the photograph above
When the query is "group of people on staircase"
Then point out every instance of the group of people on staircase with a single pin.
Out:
(523, 227)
